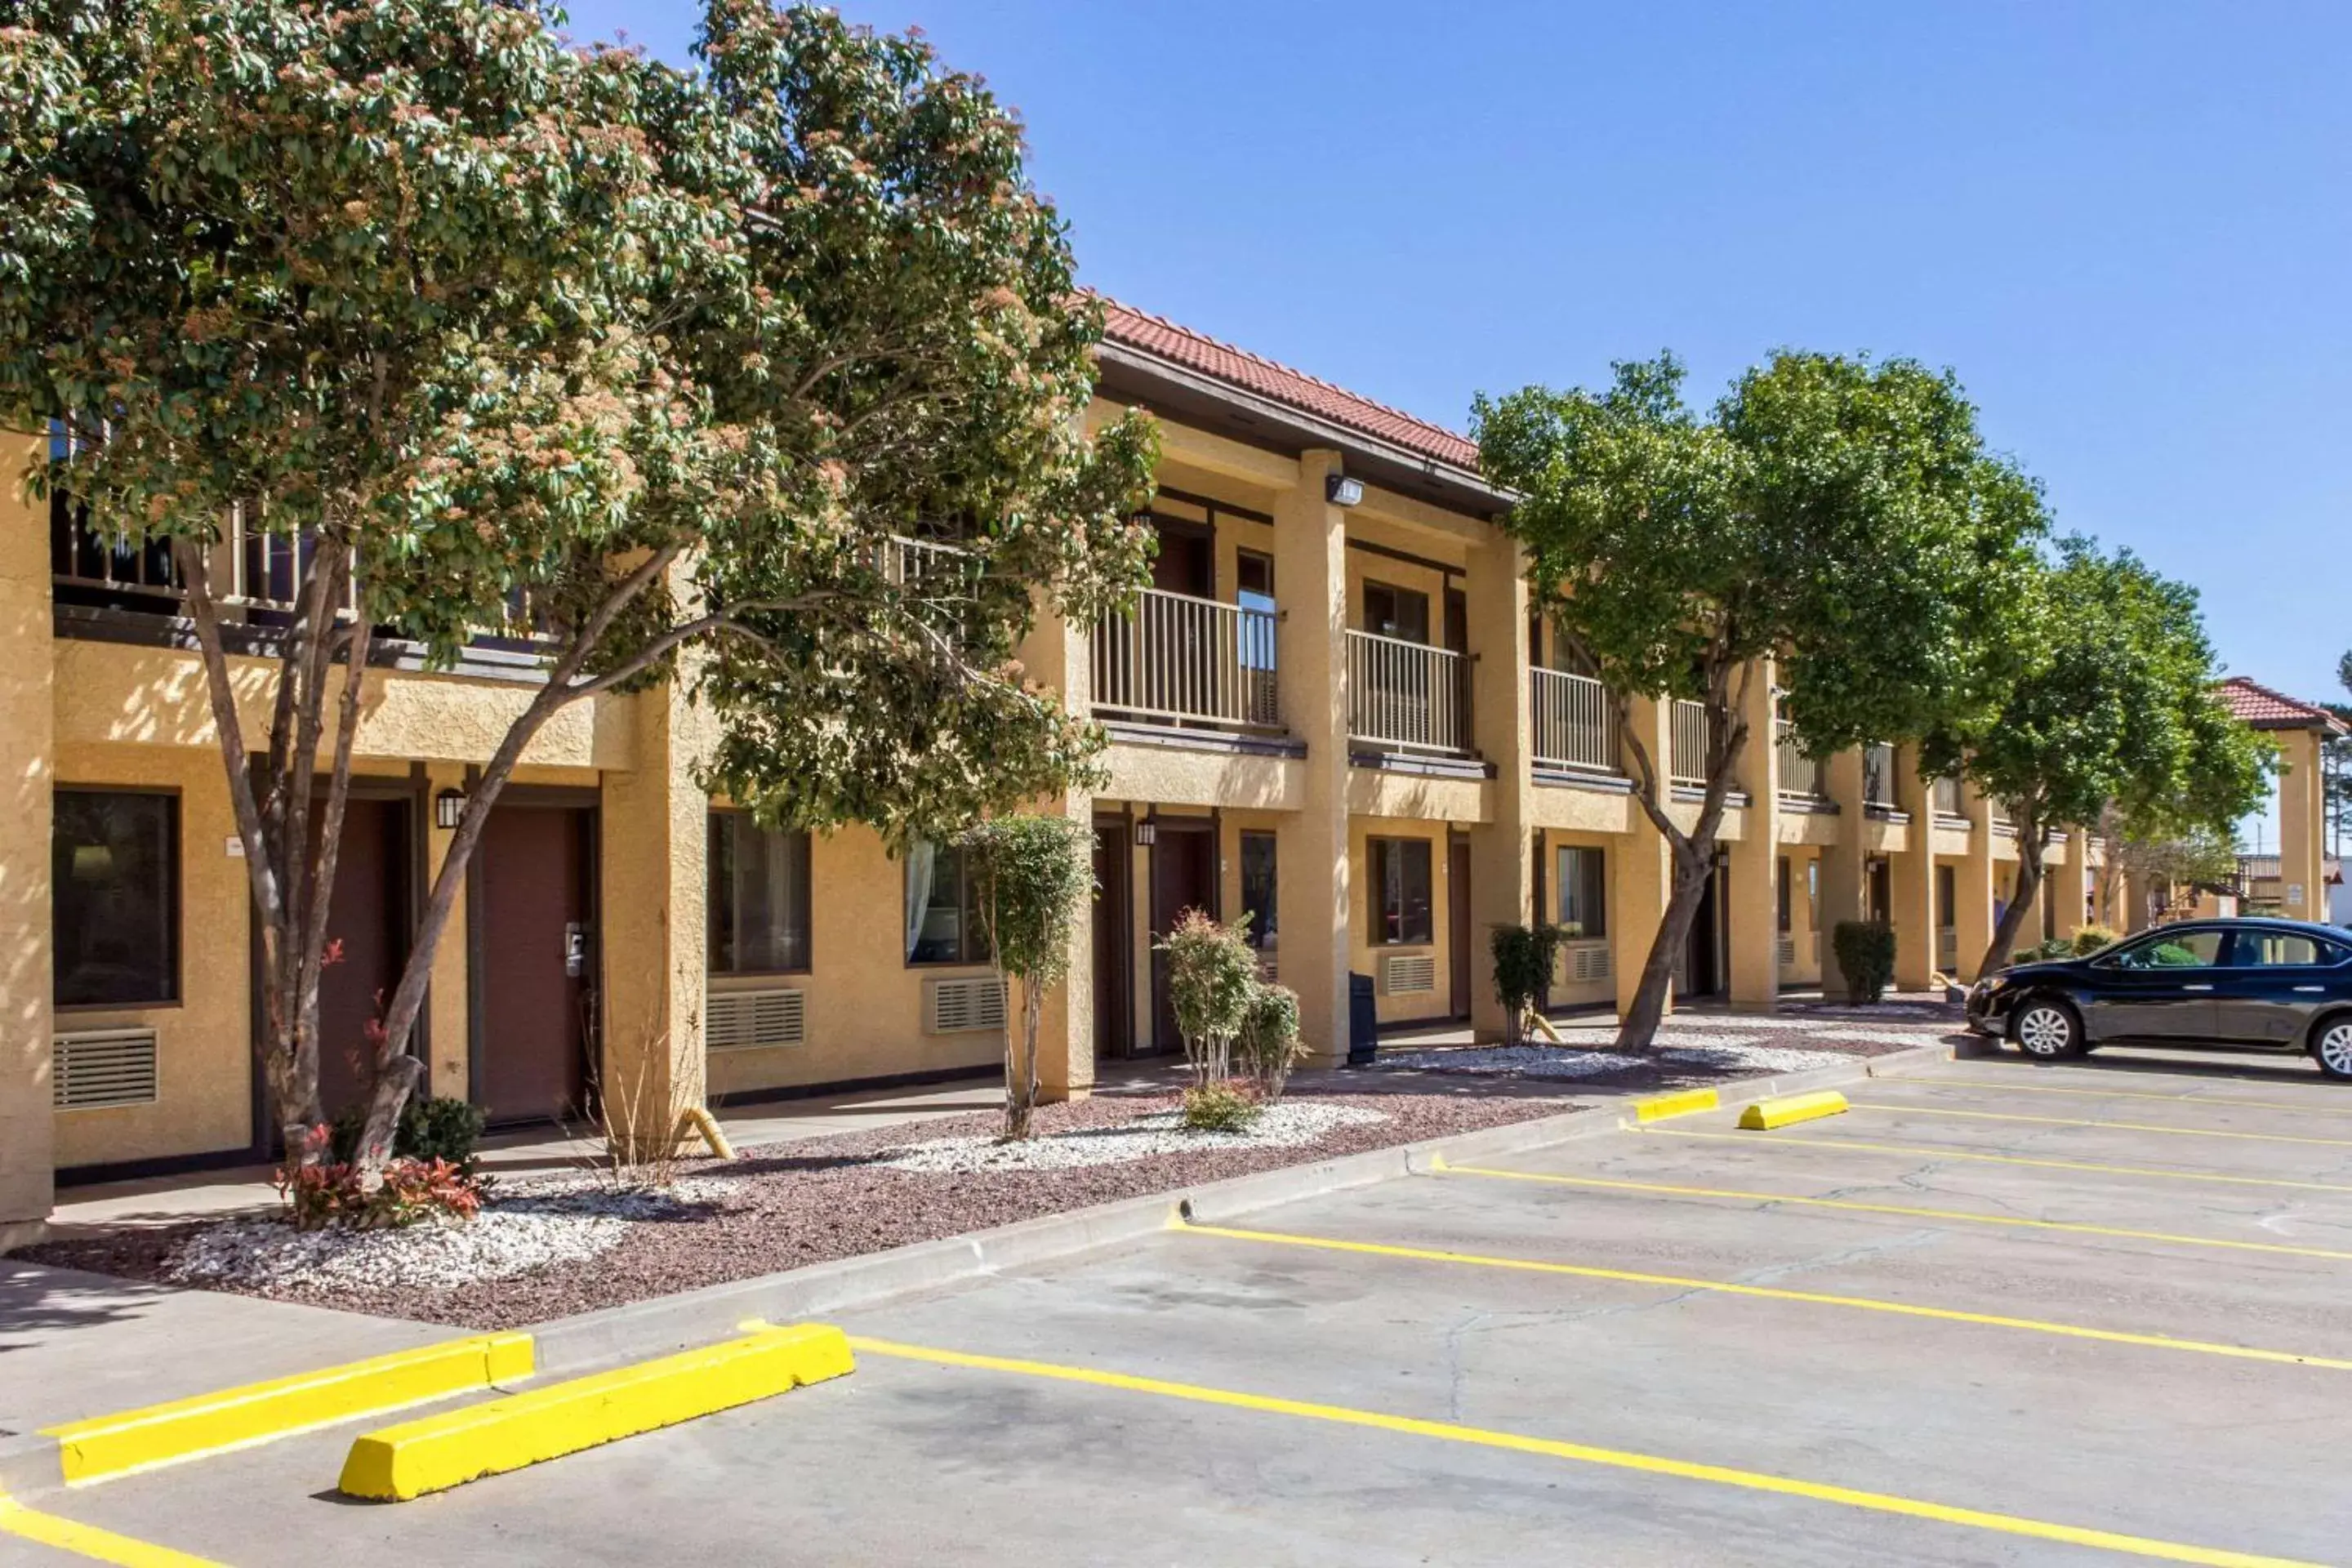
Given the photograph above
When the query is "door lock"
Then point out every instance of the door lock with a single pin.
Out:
(576, 950)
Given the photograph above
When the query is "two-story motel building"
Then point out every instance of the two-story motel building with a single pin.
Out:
(1333, 711)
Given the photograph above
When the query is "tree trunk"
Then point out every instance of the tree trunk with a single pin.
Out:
(2012, 920)
(1693, 863)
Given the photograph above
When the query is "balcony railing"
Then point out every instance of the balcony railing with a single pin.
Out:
(1187, 660)
(251, 569)
(1802, 777)
(1407, 694)
(1878, 774)
(1686, 762)
(1575, 722)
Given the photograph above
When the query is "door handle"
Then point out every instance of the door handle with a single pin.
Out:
(2196, 988)
(2311, 988)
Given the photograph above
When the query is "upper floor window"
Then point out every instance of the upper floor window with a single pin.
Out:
(1394, 612)
(942, 907)
(1400, 893)
(759, 898)
(114, 867)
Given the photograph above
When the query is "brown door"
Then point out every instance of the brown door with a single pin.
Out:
(1114, 957)
(367, 924)
(1184, 876)
(534, 909)
(1457, 922)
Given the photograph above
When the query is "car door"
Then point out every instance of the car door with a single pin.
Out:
(2159, 987)
(2275, 981)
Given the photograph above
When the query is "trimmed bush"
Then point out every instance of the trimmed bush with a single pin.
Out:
(1211, 973)
(443, 1128)
(1220, 1106)
(1524, 956)
(1865, 956)
(2093, 939)
(1033, 875)
(2044, 952)
(1268, 1045)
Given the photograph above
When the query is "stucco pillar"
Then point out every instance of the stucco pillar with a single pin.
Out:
(1911, 876)
(1312, 893)
(1645, 867)
(1754, 887)
(2068, 883)
(1502, 852)
(1055, 655)
(1972, 919)
(1842, 863)
(2302, 889)
(445, 1004)
(655, 888)
(28, 763)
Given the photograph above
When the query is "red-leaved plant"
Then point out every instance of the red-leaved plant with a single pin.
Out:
(323, 1193)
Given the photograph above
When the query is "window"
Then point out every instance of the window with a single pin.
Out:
(2283, 949)
(1782, 892)
(1583, 884)
(1258, 889)
(114, 865)
(943, 911)
(1947, 896)
(1395, 612)
(759, 898)
(1399, 891)
(2171, 950)
(1254, 578)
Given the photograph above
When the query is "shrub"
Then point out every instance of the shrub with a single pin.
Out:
(1211, 973)
(2092, 939)
(335, 1191)
(1220, 1106)
(2044, 952)
(1524, 956)
(1269, 1043)
(1865, 956)
(1033, 875)
(443, 1128)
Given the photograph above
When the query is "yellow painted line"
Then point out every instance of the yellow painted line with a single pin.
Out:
(1791, 1109)
(89, 1541)
(438, 1452)
(1438, 1166)
(2111, 1126)
(239, 1417)
(1932, 1151)
(1658, 1107)
(1583, 1453)
(1765, 1293)
(1991, 1087)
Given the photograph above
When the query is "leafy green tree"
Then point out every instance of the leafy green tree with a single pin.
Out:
(1035, 876)
(767, 379)
(2110, 711)
(1839, 516)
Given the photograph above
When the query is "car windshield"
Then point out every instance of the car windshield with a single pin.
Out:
(2172, 950)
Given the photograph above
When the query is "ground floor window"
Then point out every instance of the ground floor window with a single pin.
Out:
(1782, 893)
(942, 907)
(759, 898)
(1258, 889)
(1400, 893)
(114, 865)
(1946, 895)
(1583, 889)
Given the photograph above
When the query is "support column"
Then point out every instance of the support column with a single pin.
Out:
(1055, 655)
(28, 764)
(1842, 864)
(2302, 887)
(447, 1070)
(1502, 851)
(1911, 876)
(1313, 895)
(1972, 920)
(1755, 897)
(654, 886)
(2068, 885)
(1645, 867)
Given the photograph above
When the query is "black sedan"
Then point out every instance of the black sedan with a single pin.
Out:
(2281, 984)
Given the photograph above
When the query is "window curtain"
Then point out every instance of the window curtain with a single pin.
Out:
(922, 862)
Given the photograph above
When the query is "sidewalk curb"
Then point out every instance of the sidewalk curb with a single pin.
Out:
(667, 1325)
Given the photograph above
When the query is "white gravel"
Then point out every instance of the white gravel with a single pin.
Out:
(1887, 1037)
(520, 1229)
(1286, 1126)
(1717, 1053)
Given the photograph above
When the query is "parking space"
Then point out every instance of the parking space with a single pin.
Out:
(1993, 1314)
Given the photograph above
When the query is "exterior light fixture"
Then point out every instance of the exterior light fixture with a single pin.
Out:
(1341, 490)
(1146, 833)
(448, 806)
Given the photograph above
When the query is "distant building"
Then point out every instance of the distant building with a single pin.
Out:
(2258, 877)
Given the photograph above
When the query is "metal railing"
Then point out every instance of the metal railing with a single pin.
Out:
(1802, 777)
(1575, 722)
(1689, 740)
(1878, 774)
(1185, 658)
(251, 569)
(1407, 694)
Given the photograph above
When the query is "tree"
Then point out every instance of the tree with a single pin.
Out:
(2197, 858)
(1035, 876)
(2110, 711)
(767, 380)
(1838, 516)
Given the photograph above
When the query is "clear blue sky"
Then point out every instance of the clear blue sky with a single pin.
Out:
(2127, 225)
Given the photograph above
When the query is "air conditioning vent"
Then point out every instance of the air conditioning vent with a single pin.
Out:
(1788, 952)
(962, 1007)
(747, 1020)
(102, 1066)
(1585, 963)
(1409, 973)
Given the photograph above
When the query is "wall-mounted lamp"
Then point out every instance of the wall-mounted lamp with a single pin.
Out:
(448, 806)
(1341, 490)
(1146, 833)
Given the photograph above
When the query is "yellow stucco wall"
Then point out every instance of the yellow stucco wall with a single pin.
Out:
(1365, 958)
(1593, 994)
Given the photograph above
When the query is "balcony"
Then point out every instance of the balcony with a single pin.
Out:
(1408, 695)
(1690, 740)
(1575, 722)
(251, 570)
(1803, 778)
(1183, 660)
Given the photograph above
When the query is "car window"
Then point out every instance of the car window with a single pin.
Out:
(2172, 950)
(2282, 949)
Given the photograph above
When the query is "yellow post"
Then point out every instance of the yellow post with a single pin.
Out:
(27, 761)
(1842, 864)
(1502, 850)
(1972, 919)
(2303, 894)
(1911, 876)
(1754, 883)
(1643, 872)
(1055, 655)
(1313, 895)
(2069, 888)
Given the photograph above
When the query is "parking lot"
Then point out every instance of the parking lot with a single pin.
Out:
(1994, 1314)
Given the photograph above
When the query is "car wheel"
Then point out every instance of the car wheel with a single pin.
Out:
(2049, 1030)
(2331, 1048)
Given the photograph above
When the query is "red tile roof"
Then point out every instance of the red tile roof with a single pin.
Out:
(2253, 703)
(1164, 339)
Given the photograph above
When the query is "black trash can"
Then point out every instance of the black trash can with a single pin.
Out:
(1363, 1022)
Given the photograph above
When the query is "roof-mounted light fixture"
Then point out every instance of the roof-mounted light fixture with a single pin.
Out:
(1341, 490)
